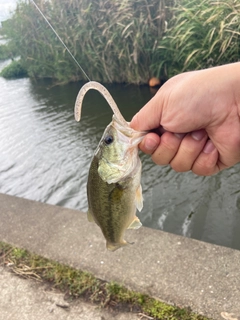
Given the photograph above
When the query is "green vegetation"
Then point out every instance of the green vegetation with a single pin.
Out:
(113, 41)
(123, 41)
(4, 52)
(76, 284)
(202, 34)
(14, 70)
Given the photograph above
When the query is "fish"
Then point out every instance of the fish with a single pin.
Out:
(114, 189)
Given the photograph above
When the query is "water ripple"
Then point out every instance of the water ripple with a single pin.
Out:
(45, 156)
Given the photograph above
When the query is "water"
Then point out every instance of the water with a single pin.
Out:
(45, 156)
(6, 8)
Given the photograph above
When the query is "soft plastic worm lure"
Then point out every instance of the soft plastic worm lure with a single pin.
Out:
(100, 88)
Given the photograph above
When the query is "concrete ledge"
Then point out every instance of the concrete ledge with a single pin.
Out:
(171, 268)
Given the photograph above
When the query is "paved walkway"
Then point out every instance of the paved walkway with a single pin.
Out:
(174, 269)
(22, 299)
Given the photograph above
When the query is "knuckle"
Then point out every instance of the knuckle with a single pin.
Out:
(204, 171)
(188, 151)
(205, 166)
(167, 143)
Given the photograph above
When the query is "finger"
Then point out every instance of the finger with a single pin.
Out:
(149, 116)
(150, 143)
(167, 148)
(206, 163)
(190, 148)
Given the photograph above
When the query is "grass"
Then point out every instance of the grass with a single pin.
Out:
(201, 34)
(4, 52)
(123, 41)
(14, 70)
(79, 284)
(113, 41)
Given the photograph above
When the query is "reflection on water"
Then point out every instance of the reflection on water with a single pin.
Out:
(45, 156)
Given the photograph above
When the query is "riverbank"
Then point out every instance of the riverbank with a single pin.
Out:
(174, 269)
(123, 42)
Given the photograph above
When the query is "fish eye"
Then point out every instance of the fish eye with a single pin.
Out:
(108, 139)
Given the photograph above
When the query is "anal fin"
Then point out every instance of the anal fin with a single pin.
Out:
(135, 224)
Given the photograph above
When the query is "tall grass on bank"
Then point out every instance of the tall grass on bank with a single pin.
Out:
(114, 41)
(201, 34)
(124, 40)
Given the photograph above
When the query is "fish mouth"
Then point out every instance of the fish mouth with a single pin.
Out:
(130, 135)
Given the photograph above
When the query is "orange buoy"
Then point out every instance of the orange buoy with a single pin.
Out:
(154, 82)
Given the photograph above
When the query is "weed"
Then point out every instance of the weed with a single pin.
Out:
(200, 35)
(112, 40)
(76, 284)
(14, 70)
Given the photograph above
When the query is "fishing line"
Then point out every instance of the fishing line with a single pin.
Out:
(42, 14)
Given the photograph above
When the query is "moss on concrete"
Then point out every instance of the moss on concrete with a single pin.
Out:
(81, 284)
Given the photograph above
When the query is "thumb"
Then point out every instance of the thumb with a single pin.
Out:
(149, 117)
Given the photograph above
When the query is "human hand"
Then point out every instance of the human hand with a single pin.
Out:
(194, 121)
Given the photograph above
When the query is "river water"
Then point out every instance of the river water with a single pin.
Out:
(45, 156)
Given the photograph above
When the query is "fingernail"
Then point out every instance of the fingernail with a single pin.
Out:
(150, 144)
(198, 135)
(179, 135)
(209, 147)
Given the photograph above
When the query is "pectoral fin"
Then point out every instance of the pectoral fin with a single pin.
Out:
(135, 224)
(139, 198)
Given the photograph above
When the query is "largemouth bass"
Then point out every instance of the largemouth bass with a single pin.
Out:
(113, 189)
